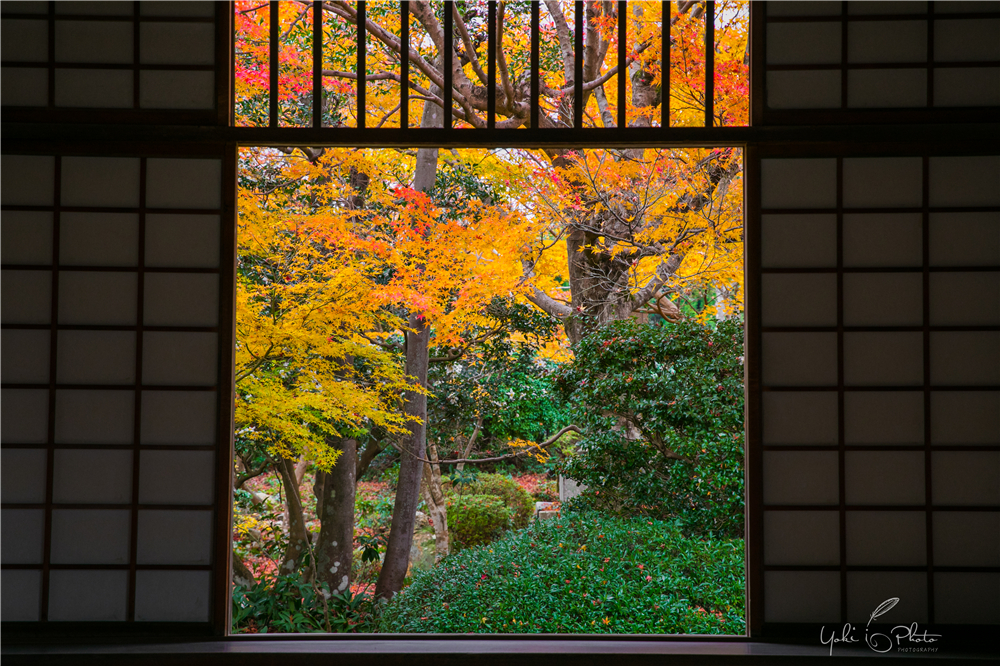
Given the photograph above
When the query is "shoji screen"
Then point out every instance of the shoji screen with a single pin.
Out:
(875, 323)
(116, 311)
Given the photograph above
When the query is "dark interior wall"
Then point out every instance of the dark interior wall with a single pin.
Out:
(873, 315)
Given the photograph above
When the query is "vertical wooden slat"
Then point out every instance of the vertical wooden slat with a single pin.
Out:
(841, 438)
(665, 65)
(491, 66)
(449, 24)
(843, 54)
(622, 64)
(404, 64)
(272, 77)
(535, 74)
(578, 24)
(135, 54)
(925, 224)
(930, 54)
(362, 64)
(709, 64)
(317, 75)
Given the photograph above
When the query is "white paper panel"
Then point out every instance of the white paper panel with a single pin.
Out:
(805, 299)
(801, 596)
(886, 88)
(884, 477)
(178, 8)
(867, 589)
(883, 299)
(800, 418)
(91, 596)
(100, 181)
(21, 591)
(26, 237)
(182, 241)
(25, 7)
(882, 182)
(97, 297)
(169, 89)
(799, 359)
(179, 358)
(74, 472)
(804, 8)
(178, 417)
(23, 86)
(94, 417)
(966, 477)
(965, 357)
(795, 241)
(801, 477)
(21, 536)
(882, 239)
(174, 537)
(176, 477)
(104, 42)
(883, 417)
(966, 40)
(967, 86)
(817, 89)
(971, 6)
(965, 417)
(883, 359)
(965, 181)
(867, 42)
(24, 416)
(24, 40)
(172, 596)
(965, 299)
(184, 183)
(177, 44)
(98, 239)
(94, 88)
(94, 8)
(801, 537)
(25, 356)
(966, 598)
(967, 538)
(964, 239)
(870, 7)
(90, 536)
(96, 357)
(181, 299)
(27, 180)
(886, 538)
(798, 183)
(22, 475)
(26, 297)
(803, 43)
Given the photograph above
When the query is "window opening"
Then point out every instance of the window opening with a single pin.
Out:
(570, 313)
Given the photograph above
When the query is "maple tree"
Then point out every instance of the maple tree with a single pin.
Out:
(587, 236)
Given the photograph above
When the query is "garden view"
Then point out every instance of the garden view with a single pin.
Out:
(436, 346)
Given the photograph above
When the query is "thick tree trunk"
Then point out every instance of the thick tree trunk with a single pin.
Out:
(335, 492)
(241, 572)
(298, 536)
(437, 508)
(397, 553)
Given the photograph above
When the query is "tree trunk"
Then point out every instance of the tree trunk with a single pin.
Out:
(437, 507)
(298, 536)
(241, 572)
(335, 491)
(397, 553)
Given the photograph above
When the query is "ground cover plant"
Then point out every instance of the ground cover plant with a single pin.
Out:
(583, 573)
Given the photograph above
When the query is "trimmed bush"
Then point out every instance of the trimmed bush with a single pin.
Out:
(514, 497)
(583, 573)
(476, 519)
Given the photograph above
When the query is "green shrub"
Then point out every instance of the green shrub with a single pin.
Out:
(662, 411)
(476, 519)
(583, 573)
(514, 497)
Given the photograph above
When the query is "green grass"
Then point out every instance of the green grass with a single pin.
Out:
(582, 573)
